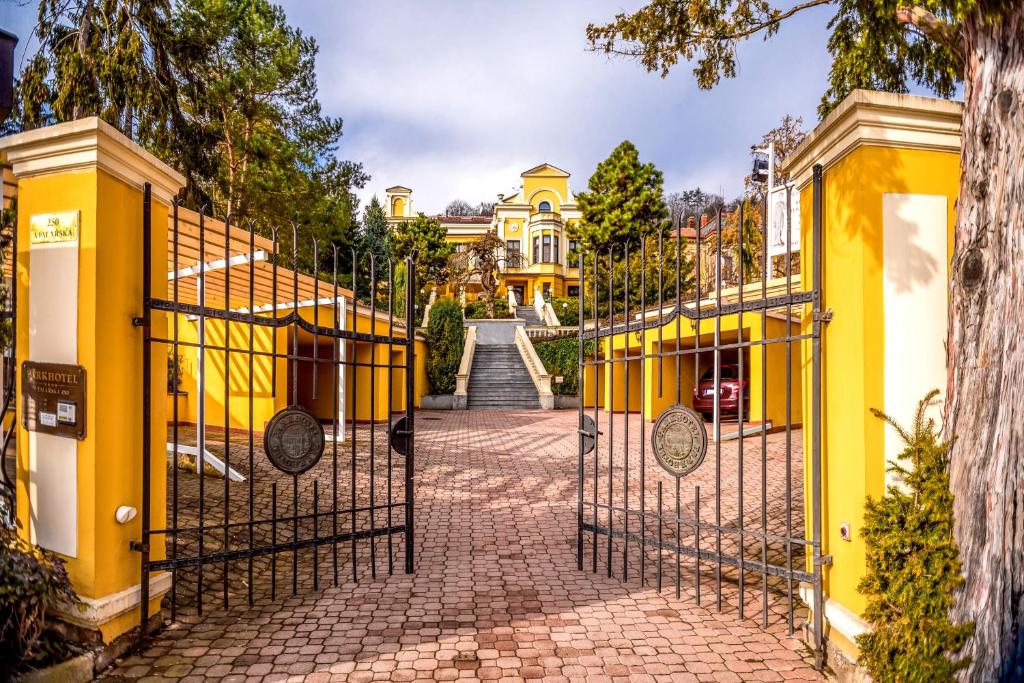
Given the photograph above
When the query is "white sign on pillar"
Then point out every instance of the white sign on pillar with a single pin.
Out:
(915, 301)
(53, 338)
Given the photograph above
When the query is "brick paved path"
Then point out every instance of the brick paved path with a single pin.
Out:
(496, 594)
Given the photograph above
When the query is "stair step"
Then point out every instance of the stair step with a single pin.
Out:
(499, 379)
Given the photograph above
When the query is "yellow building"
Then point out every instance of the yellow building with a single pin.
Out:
(890, 171)
(534, 222)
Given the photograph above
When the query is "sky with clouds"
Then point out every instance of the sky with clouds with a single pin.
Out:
(456, 99)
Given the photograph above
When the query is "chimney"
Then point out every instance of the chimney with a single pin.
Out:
(690, 223)
(703, 220)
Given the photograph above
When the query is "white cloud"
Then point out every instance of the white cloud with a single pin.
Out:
(456, 99)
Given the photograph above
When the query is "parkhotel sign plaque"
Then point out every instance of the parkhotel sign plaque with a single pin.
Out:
(54, 399)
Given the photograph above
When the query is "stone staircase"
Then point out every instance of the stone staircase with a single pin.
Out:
(500, 380)
(529, 314)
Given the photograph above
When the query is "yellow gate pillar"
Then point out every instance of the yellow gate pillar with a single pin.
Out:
(80, 284)
(891, 170)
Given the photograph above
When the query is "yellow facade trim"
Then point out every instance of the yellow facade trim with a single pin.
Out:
(878, 119)
(89, 144)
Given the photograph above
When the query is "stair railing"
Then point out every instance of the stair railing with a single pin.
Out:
(538, 373)
(548, 317)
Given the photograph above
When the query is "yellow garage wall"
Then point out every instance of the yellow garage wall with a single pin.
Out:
(853, 441)
(267, 397)
(265, 400)
(669, 373)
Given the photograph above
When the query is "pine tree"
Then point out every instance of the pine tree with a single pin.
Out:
(106, 58)
(624, 200)
(223, 90)
(375, 239)
(425, 236)
(913, 565)
(268, 152)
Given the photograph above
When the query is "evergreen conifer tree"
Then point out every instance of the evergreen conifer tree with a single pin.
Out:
(624, 199)
(913, 564)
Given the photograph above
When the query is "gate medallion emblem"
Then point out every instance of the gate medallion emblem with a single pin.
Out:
(679, 440)
(294, 440)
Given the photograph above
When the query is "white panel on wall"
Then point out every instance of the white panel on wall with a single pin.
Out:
(916, 298)
(53, 338)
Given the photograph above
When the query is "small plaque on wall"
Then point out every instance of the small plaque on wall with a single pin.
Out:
(47, 228)
(53, 399)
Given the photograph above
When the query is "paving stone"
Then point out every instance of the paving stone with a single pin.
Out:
(496, 594)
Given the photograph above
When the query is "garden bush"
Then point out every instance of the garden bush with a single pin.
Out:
(561, 357)
(476, 310)
(445, 339)
(567, 309)
(913, 565)
(32, 581)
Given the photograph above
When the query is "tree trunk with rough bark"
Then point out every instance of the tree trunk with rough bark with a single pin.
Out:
(985, 406)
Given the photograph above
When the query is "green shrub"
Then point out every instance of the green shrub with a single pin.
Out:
(913, 565)
(475, 310)
(567, 308)
(445, 339)
(398, 301)
(561, 357)
(32, 581)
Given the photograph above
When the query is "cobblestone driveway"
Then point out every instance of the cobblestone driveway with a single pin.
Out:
(496, 594)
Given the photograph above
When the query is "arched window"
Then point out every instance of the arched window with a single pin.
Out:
(544, 206)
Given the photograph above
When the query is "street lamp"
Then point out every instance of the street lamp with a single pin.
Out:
(7, 43)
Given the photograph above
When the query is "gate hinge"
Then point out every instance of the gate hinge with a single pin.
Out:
(824, 561)
(138, 546)
(823, 317)
(138, 321)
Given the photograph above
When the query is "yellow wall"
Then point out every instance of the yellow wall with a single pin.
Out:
(109, 296)
(543, 184)
(853, 441)
(654, 404)
(266, 401)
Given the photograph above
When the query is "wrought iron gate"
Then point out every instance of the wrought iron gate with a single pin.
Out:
(325, 493)
(8, 355)
(730, 524)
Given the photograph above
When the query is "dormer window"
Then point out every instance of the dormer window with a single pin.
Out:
(544, 206)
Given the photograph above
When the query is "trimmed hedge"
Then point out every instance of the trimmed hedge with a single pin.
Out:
(445, 340)
(561, 357)
(477, 310)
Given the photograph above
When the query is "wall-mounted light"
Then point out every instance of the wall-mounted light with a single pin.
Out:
(125, 514)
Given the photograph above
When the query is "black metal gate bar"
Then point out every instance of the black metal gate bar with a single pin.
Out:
(818, 606)
(213, 529)
(9, 316)
(661, 531)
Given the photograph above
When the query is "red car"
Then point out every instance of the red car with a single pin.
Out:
(729, 390)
